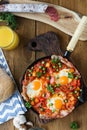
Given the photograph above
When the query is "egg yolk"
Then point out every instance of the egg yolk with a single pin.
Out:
(58, 104)
(36, 84)
(63, 80)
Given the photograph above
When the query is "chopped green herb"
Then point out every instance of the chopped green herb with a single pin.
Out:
(42, 109)
(32, 67)
(44, 95)
(74, 125)
(40, 67)
(51, 104)
(57, 77)
(55, 60)
(43, 62)
(50, 89)
(57, 70)
(71, 87)
(66, 100)
(76, 77)
(58, 85)
(60, 64)
(39, 74)
(43, 68)
(29, 70)
(54, 67)
(48, 100)
(78, 97)
(28, 105)
(9, 18)
(29, 75)
(32, 99)
(53, 110)
(70, 75)
(75, 91)
(80, 90)
(48, 77)
(55, 85)
(44, 72)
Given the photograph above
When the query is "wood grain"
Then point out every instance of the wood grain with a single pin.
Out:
(20, 58)
(63, 24)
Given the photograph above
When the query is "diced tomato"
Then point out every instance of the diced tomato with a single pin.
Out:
(70, 104)
(47, 64)
(72, 70)
(42, 99)
(43, 104)
(36, 100)
(74, 82)
(32, 103)
(63, 107)
(78, 82)
(31, 78)
(48, 111)
(57, 90)
(64, 88)
(37, 105)
(34, 73)
(64, 66)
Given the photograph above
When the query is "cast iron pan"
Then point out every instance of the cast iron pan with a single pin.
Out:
(36, 44)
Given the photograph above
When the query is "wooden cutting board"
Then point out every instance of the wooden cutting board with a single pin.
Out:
(66, 25)
(19, 59)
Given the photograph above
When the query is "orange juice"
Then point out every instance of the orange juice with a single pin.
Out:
(8, 38)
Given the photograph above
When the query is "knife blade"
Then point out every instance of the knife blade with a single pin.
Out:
(31, 8)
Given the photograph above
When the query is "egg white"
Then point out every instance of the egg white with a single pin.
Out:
(31, 92)
(61, 73)
(52, 101)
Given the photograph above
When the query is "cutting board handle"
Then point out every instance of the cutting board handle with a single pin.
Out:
(77, 34)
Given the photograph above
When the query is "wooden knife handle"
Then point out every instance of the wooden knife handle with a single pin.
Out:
(77, 34)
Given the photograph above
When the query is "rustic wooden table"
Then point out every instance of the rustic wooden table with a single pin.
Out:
(20, 58)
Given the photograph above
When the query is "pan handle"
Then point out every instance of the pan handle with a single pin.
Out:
(75, 37)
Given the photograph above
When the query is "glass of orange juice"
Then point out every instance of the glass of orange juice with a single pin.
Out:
(8, 38)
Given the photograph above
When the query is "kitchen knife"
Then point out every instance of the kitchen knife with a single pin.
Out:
(31, 8)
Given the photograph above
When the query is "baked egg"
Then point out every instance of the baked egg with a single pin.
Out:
(34, 88)
(63, 77)
(55, 103)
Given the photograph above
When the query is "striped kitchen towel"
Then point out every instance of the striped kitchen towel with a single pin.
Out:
(14, 105)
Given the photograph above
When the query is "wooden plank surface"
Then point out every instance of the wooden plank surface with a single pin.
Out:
(63, 24)
(20, 58)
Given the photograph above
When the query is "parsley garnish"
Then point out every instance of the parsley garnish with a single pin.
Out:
(28, 105)
(39, 74)
(55, 60)
(53, 110)
(70, 75)
(74, 125)
(57, 85)
(51, 104)
(9, 18)
(50, 89)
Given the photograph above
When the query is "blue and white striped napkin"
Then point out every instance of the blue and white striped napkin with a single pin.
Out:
(14, 105)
